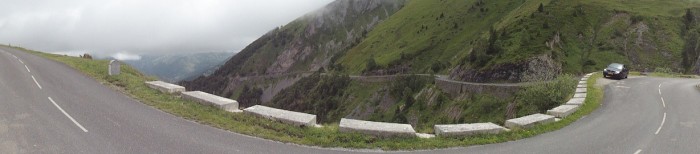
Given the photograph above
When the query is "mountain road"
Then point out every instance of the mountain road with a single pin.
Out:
(48, 107)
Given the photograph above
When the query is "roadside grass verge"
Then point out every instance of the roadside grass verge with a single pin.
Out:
(131, 83)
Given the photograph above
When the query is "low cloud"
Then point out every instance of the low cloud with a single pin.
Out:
(106, 27)
(122, 56)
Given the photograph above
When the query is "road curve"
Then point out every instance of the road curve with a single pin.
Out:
(83, 116)
(114, 123)
(631, 119)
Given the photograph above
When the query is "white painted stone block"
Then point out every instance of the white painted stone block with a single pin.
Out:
(584, 79)
(468, 129)
(563, 110)
(581, 86)
(529, 121)
(213, 100)
(114, 68)
(583, 82)
(381, 129)
(576, 101)
(580, 95)
(165, 87)
(284, 116)
(581, 90)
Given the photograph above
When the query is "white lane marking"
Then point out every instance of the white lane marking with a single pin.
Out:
(68, 115)
(15, 56)
(20, 60)
(638, 151)
(37, 83)
(662, 124)
(663, 102)
(25, 66)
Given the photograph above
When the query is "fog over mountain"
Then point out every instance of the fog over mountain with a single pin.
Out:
(178, 67)
(127, 28)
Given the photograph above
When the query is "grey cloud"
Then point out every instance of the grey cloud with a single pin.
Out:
(105, 27)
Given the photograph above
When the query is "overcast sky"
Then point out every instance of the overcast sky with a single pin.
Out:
(137, 27)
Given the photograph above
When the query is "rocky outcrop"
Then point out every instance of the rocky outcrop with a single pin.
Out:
(539, 68)
(322, 27)
(306, 44)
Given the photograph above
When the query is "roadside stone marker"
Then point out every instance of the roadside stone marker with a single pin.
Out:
(529, 121)
(381, 129)
(284, 116)
(114, 67)
(468, 129)
(563, 110)
(576, 101)
(165, 87)
(213, 100)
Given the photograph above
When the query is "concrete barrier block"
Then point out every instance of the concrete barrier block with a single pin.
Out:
(213, 100)
(581, 90)
(584, 79)
(165, 87)
(576, 101)
(284, 116)
(380, 129)
(580, 95)
(581, 86)
(468, 129)
(583, 82)
(563, 110)
(529, 121)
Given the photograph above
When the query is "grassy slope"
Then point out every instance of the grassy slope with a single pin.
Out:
(423, 37)
(427, 32)
(130, 82)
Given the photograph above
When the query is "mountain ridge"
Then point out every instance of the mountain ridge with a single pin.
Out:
(472, 41)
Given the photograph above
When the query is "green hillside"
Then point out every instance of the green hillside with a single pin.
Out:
(436, 36)
(429, 32)
(467, 40)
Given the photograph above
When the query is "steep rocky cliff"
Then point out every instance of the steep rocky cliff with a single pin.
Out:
(310, 43)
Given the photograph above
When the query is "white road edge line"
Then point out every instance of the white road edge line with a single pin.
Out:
(25, 66)
(663, 102)
(37, 83)
(68, 115)
(638, 151)
(15, 56)
(20, 60)
(662, 124)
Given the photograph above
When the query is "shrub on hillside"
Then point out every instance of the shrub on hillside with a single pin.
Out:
(663, 70)
(317, 94)
(86, 56)
(542, 96)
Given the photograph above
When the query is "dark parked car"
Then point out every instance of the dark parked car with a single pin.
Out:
(616, 70)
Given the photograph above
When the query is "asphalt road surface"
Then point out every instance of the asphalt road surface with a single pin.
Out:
(47, 107)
